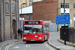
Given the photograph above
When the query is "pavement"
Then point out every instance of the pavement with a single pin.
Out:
(4, 43)
(56, 42)
(67, 43)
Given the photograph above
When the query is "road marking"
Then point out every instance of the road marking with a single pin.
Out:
(17, 47)
(7, 47)
(27, 45)
(66, 47)
(49, 46)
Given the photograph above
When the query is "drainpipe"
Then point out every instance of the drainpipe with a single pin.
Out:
(10, 19)
(4, 19)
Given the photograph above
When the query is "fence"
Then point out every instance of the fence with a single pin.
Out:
(53, 27)
(70, 34)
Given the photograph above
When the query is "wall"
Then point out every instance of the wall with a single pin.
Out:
(45, 10)
(9, 13)
(27, 2)
(0, 20)
(26, 16)
(71, 10)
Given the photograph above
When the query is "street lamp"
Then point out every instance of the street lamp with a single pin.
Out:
(64, 7)
(21, 7)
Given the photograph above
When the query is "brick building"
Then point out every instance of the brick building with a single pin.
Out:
(45, 10)
(28, 3)
(9, 19)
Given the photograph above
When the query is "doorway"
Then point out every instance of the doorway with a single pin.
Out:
(14, 29)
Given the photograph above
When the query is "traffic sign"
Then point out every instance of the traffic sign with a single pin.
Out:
(62, 19)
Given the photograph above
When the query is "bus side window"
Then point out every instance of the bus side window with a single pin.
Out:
(47, 28)
(44, 28)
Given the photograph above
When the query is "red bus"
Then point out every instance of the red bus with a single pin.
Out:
(35, 30)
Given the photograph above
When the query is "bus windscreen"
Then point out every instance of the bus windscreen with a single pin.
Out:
(32, 29)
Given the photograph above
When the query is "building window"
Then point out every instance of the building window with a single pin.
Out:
(30, 0)
(74, 6)
(20, 0)
(66, 5)
(42, 0)
(13, 9)
(74, 20)
(36, 0)
(22, 5)
(74, 15)
(65, 13)
(6, 8)
(30, 4)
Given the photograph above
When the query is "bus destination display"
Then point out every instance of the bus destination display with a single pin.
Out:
(36, 22)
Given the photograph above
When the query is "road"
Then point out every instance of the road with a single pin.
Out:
(54, 35)
(32, 45)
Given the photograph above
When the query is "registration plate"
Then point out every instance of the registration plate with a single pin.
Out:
(32, 40)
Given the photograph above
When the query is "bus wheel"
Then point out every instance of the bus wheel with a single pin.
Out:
(43, 39)
(27, 41)
(47, 38)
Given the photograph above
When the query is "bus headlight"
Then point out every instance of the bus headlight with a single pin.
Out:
(36, 36)
(24, 38)
(40, 37)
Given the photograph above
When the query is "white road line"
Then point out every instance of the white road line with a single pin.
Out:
(17, 47)
(27, 45)
(66, 47)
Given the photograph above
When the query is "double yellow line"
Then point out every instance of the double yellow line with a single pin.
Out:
(7, 47)
(49, 46)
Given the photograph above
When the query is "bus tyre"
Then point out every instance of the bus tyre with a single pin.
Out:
(27, 41)
(43, 39)
(47, 38)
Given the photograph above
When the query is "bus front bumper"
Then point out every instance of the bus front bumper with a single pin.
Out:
(33, 40)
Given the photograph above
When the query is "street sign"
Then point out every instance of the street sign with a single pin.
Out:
(62, 19)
